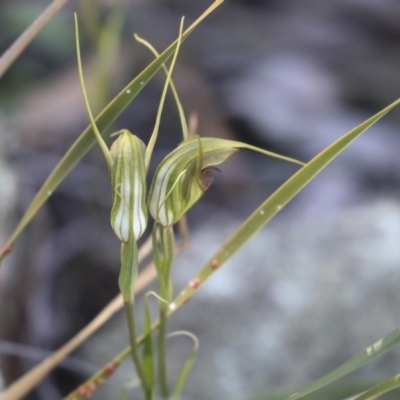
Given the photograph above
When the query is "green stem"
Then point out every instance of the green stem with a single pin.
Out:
(134, 352)
(163, 256)
(162, 362)
(126, 281)
(168, 248)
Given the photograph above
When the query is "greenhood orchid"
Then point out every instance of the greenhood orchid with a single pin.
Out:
(185, 174)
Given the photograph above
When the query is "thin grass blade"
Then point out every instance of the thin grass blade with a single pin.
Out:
(187, 366)
(369, 354)
(384, 387)
(337, 391)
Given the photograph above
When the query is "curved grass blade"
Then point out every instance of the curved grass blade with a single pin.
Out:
(384, 387)
(187, 366)
(370, 353)
(339, 391)
(173, 88)
(87, 139)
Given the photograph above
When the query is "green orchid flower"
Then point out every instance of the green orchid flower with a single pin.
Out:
(186, 173)
(128, 180)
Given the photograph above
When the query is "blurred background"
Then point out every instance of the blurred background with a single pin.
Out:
(314, 288)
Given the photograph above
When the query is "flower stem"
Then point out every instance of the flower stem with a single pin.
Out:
(134, 352)
(162, 364)
(163, 256)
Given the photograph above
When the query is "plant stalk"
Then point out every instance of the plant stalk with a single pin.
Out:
(163, 256)
(162, 362)
(134, 351)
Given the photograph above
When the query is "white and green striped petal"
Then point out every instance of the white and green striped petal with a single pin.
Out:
(128, 180)
(179, 182)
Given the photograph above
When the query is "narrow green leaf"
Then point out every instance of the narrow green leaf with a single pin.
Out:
(337, 391)
(370, 353)
(187, 366)
(384, 387)
(86, 140)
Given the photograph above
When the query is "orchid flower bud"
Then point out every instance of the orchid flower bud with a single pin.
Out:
(128, 180)
(183, 177)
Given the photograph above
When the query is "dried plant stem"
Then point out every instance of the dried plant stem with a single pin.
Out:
(14, 51)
